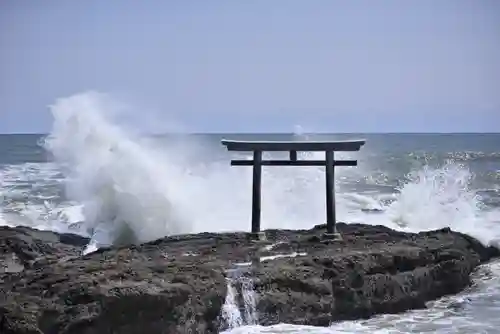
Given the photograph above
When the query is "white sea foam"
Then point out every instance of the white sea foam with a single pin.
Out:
(433, 198)
(123, 188)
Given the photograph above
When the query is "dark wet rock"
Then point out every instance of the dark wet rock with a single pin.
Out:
(178, 284)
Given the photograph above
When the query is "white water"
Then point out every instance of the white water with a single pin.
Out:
(239, 285)
(123, 189)
(231, 314)
(124, 192)
(474, 311)
(437, 198)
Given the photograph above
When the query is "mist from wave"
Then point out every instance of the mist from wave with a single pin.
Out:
(432, 198)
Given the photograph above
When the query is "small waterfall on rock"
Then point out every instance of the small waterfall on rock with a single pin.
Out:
(239, 308)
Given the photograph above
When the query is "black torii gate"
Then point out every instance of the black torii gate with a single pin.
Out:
(329, 147)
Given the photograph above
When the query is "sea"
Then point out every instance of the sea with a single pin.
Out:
(96, 176)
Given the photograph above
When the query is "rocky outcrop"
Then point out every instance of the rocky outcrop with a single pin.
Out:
(178, 284)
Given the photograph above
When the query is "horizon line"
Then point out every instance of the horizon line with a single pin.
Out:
(277, 133)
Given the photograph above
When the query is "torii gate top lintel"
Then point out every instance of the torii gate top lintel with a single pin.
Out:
(301, 146)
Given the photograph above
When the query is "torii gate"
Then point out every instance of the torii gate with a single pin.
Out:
(329, 147)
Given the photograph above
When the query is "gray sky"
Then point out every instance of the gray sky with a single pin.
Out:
(347, 66)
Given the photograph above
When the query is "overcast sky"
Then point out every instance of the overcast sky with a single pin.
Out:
(261, 65)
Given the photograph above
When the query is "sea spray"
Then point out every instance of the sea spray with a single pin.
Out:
(440, 197)
(122, 187)
(240, 307)
(436, 195)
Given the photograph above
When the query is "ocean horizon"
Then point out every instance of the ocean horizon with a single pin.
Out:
(90, 177)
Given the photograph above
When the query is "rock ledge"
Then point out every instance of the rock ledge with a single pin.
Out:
(178, 284)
